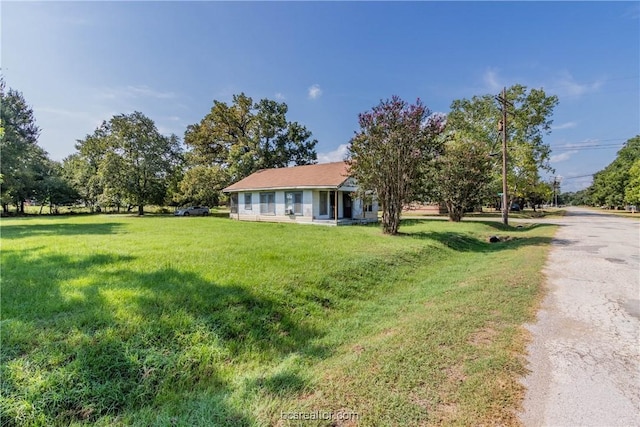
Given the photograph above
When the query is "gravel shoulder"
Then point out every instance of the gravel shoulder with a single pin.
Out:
(584, 357)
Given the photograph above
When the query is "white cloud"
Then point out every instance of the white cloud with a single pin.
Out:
(149, 92)
(566, 85)
(492, 81)
(314, 91)
(129, 92)
(280, 96)
(562, 156)
(336, 155)
(568, 125)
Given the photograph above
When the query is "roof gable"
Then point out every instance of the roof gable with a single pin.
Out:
(320, 175)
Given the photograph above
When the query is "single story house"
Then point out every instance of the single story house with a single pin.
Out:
(311, 194)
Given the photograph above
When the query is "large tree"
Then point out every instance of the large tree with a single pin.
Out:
(461, 176)
(23, 163)
(126, 160)
(389, 152)
(610, 184)
(54, 189)
(237, 139)
(632, 190)
(83, 177)
(528, 121)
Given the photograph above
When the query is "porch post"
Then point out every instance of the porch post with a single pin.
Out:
(336, 206)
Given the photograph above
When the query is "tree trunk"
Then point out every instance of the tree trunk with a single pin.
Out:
(140, 209)
(455, 212)
(390, 219)
(22, 207)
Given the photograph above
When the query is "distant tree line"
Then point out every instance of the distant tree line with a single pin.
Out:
(26, 172)
(617, 185)
(402, 153)
(126, 163)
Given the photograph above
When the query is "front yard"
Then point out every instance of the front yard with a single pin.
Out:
(157, 320)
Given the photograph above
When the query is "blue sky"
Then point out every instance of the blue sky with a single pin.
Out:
(80, 63)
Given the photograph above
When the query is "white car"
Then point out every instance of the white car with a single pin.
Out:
(192, 210)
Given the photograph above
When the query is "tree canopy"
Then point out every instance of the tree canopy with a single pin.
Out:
(528, 121)
(618, 183)
(460, 176)
(24, 163)
(125, 161)
(388, 154)
(234, 140)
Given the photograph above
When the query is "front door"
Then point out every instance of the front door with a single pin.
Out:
(346, 205)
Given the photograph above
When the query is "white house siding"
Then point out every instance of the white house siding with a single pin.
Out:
(254, 214)
(310, 207)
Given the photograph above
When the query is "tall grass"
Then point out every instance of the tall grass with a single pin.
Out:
(206, 321)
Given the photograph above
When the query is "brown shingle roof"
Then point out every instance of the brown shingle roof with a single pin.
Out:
(324, 175)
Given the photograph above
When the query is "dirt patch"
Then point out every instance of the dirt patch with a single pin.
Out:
(485, 336)
(357, 349)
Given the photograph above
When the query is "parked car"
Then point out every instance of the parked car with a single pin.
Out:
(192, 210)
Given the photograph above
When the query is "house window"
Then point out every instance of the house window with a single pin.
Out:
(324, 199)
(248, 203)
(293, 202)
(268, 203)
(368, 207)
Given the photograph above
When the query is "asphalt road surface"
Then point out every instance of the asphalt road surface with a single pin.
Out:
(584, 358)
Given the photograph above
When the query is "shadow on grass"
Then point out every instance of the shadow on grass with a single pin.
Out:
(86, 338)
(27, 230)
(464, 243)
(515, 228)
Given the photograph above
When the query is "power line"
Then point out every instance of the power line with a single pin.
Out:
(575, 177)
(593, 141)
(600, 147)
(590, 145)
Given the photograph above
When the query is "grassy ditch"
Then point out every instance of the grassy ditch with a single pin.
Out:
(112, 320)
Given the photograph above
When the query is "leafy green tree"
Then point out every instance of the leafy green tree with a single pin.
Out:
(389, 153)
(126, 160)
(112, 173)
(461, 176)
(54, 189)
(529, 120)
(577, 198)
(610, 184)
(200, 186)
(83, 177)
(241, 138)
(539, 194)
(23, 161)
(632, 190)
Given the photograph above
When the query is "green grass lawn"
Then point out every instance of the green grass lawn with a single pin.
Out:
(120, 320)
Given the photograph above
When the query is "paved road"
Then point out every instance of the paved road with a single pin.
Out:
(584, 356)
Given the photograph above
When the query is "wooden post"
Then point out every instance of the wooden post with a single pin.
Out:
(336, 206)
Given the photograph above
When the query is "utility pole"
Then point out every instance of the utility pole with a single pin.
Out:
(556, 190)
(502, 126)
